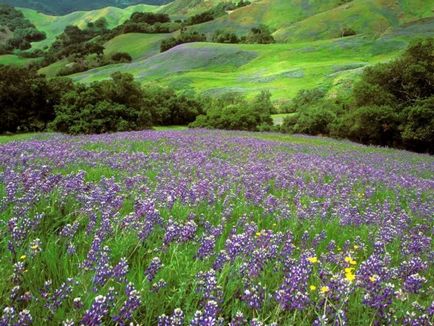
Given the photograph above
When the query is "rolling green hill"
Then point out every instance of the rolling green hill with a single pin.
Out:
(54, 25)
(281, 68)
(62, 7)
(310, 50)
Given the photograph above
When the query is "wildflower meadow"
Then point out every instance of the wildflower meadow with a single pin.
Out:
(196, 227)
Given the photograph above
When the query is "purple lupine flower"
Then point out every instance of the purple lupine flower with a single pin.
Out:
(414, 283)
(206, 249)
(208, 287)
(60, 295)
(24, 318)
(254, 296)
(95, 315)
(103, 269)
(238, 320)
(153, 268)
(120, 270)
(77, 303)
(163, 320)
(176, 319)
(292, 293)
(158, 286)
(132, 303)
(8, 316)
(208, 317)
(221, 259)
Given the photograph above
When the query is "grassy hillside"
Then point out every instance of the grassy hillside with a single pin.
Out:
(54, 25)
(273, 13)
(138, 45)
(372, 17)
(282, 68)
(310, 53)
(62, 7)
(11, 59)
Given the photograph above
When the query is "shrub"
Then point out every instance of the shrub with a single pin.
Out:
(401, 82)
(370, 125)
(236, 113)
(27, 99)
(225, 37)
(418, 126)
(106, 106)
(259, 35)
(184, 37)
(121, 57)
(347, 31)
(314, 120)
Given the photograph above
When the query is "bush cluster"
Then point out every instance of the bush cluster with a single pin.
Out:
(22, 30)
(234, 112)
(392, 105)
(30, 102)
(184, 37)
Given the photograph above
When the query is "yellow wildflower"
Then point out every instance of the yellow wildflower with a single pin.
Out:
(23, 257)
(324, 289)
(258, 234)
(350, 276)
(34, 247)
(312, 260)
(312, 287)
(373, 278)
(356, 247)
(350, 260)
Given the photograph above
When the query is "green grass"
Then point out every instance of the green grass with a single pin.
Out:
(138, 45)
(368, 17)
(54, 25)
(12, 59)
(283, 69)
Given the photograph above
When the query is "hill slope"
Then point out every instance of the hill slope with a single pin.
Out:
(61, 7)
(55, 25)
(248, 68)
(301, 20)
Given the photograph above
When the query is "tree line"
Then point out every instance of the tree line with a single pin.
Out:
(392, 105)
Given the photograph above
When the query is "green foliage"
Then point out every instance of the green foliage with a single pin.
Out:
(347, 31)
(23, 31)
(393, 105)
(418, 126)
(168, 108)
(306, 98)
(184, 37)
(27, 99)
(400, 82)
(233, 112)
(377, 125)
(220, 36)
(312, 120)
(112, 105)
(121, 57)
(259, 35)
(144, 22)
